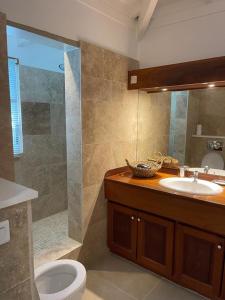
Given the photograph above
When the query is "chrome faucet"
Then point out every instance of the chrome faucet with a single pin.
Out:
(206, 169)
(195, 176)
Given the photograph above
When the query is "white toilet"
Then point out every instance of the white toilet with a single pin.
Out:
(61, 280)
(213, 160)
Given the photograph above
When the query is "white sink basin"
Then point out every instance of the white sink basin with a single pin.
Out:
(187, 185)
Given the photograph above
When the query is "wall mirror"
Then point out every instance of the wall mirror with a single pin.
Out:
(188, 125)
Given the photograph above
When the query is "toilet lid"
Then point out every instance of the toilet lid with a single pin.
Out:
(213, 160)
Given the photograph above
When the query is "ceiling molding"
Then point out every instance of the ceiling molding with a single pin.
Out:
(121, 11)
(147, 10)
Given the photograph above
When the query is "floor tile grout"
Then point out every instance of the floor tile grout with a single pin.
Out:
(120, 279)
(118, 288)
(153, 288)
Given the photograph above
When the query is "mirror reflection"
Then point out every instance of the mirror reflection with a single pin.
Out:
(188, 125)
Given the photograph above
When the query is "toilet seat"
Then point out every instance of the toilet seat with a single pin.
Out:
(213, 160)
(60, 279)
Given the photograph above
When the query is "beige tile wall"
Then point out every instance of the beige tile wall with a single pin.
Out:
(153, 123)
(74, 142)
(211, 110)
(192, 121)
(16, 264)
(109, 114)
(206, 107)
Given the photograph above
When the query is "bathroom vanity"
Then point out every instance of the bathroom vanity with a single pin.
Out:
(177, 235)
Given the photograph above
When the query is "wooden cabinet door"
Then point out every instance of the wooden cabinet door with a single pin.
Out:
(199, 260)
(122, 230)
(223, 284)
(155, 243)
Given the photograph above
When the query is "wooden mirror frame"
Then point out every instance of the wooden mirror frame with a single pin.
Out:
(197, 74)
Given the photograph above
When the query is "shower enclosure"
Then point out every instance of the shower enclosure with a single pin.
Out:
(43, 132)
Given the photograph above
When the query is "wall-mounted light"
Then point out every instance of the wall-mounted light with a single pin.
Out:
(211, 85)
(164, 90)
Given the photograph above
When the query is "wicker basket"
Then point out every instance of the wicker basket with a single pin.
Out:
(149, 171)
(169, 162)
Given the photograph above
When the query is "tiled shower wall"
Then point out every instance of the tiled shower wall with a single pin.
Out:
(178, 125)
(74, 142)
(43, 165)
(109, 132)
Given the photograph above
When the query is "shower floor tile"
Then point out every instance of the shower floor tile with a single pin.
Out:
(50, 238)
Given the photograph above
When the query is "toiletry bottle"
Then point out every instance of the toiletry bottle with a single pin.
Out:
(199, 129)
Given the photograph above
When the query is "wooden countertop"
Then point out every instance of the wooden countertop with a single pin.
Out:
(125, 177)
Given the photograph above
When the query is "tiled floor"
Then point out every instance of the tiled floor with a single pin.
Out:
(50, 238)
(117, 279)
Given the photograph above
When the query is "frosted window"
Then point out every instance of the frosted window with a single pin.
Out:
(14, 87)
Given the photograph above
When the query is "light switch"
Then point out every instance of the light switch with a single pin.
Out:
(4, 232)
(133, 79)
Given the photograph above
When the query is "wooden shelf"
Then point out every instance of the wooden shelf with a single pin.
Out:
(181, 76)
(209, 136)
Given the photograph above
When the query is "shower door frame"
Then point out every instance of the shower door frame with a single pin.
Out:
(6, 147)
(44, 33)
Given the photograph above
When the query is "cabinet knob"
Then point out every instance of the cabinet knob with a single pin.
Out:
(132, 218)
(138, 219)
(219, 247)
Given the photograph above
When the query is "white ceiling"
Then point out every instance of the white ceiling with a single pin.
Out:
(123, 11)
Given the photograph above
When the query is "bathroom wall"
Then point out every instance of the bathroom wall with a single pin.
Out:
(206, 107)
(109, 132)
(178, 125)
(16, 262)
(43, 164)
(153, 123)
(72, 65)
(192, 121)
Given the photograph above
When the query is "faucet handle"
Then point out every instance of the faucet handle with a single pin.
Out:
(195, 173)
(195, 176)
(206, 169)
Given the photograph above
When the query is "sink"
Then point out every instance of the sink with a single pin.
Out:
(187, 185)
